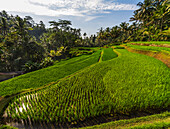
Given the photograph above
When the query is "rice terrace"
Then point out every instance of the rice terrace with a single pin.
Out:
(55, 77)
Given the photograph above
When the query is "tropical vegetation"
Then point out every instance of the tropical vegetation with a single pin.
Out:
(27, 46)
(103, 88)
(71, 78)
(151, 22)
(45, 76)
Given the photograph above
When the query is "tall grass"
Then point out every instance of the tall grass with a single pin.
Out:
(50, 74)
(108, 54)
(127, 84)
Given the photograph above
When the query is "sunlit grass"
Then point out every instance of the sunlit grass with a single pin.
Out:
(123, 85)
(50, 74)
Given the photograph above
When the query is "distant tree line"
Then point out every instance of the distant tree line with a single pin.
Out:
(151, 22)
(26, 45)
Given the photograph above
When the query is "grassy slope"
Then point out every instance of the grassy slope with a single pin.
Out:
(138, 82)
(7, 127)
(108, 54)
(164, 124)
(50, 74)
(127, 84)
(150, 122)
(150, 48)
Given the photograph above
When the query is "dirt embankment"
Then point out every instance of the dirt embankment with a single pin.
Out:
(164, 57)
(155, 45)
(11, 73)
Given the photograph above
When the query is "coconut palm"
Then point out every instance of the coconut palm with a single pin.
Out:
(55, 25)
(3, 26)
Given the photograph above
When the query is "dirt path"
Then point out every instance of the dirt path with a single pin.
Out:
(11, 73)
(164, 57)
(154, 45)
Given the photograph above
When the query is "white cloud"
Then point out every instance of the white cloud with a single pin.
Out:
(84, 4)
(89, 18)
(86, 8)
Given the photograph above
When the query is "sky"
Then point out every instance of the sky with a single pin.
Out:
(88, 15)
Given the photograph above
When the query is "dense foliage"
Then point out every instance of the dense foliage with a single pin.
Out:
(127, 84)
(78, 88)
(26, 44)
(151, 23)
(51, 74)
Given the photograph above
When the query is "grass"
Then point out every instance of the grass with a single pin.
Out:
(128, 84)
(108, 54)
(149, 48)
(157, 120)
(7, 127)
(81, 51)
(50, 74)
(153, 42)
(156, 125)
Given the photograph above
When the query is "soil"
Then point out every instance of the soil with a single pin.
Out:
(29, 124)
(7, 75)
(164, 57)
(11, 73)
(155, 45)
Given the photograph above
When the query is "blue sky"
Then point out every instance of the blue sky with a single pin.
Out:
(89, 15)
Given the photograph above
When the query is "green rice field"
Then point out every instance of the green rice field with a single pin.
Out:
(45, 76)
(121, 84)
(103, 88)
(108, 54)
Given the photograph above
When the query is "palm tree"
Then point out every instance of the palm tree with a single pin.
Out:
(21, 27)
(144, 13)
(64, 23)
(4, 26)
(124, 29)
(60, 26)
(78, 32)
(162, 11)
(85, 34)
(4, 14)
(55, 25)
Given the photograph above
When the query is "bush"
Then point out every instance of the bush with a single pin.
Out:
(32, 66)
(119, 47)
(46, 62)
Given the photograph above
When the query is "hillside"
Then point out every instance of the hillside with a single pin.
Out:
(45, 76)
(127, 85)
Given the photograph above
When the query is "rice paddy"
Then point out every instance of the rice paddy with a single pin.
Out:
(103, 88)
(123, 85)
(45, 76)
